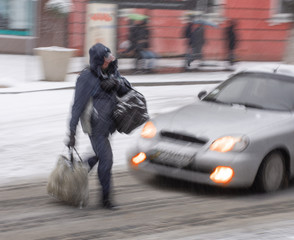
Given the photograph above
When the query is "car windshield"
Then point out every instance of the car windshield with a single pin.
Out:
(256, 90)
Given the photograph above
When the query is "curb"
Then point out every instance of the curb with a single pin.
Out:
(142, 84)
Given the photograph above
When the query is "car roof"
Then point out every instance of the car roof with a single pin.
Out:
(280, 69)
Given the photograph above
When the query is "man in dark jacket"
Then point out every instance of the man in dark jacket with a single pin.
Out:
(188, 32)
(139, 37)
(196, 42)
(101, 82)
(231, 38)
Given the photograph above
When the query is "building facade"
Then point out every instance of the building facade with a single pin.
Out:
(263, 26)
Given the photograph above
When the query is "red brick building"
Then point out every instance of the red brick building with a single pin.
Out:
(263, 27)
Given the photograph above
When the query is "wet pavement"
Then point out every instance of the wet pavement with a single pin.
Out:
(157, 208)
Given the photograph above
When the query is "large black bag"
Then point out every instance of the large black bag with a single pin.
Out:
(131, 111)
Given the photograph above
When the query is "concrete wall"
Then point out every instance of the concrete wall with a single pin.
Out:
(16, 44)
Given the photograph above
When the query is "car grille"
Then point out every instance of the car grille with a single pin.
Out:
(189, 167)
(181, 137)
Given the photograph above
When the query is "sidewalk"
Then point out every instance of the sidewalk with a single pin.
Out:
(24, 73)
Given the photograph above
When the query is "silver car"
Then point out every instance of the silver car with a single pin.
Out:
(241, 134)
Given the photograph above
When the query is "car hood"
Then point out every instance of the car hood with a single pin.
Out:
(210, 120)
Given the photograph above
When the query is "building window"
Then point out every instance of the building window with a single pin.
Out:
(3, 14)
(280, 12)
(209, 6)
(283, 7)
(15, 17)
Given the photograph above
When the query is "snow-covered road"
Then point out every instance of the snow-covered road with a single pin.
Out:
(33, 128)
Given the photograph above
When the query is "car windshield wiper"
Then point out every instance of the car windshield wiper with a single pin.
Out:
(249, 105)
(214, 100)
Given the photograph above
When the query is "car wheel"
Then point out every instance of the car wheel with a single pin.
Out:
(271, 173)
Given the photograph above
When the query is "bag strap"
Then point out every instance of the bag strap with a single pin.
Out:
(70, 150)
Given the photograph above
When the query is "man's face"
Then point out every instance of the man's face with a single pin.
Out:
(107, 60)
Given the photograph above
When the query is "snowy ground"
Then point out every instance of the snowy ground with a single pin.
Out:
(33, 125)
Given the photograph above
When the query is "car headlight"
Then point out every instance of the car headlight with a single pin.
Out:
(229, 143)
(149, 130)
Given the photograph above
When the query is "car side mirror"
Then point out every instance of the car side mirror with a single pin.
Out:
(202, 94)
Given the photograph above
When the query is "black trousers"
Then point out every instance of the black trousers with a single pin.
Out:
(194, 53)
(231, 56)
(103, 151)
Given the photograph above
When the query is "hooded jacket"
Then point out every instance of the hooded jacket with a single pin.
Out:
(198, 38)
(89, 85)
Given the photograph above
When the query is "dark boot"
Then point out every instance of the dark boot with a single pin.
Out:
(108, 204)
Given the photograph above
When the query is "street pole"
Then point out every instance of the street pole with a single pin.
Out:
(30, 42)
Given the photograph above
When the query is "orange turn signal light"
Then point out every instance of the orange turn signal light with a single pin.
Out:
(222, 174)
(139, 158)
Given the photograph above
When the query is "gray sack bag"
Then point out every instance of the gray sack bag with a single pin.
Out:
(68, 182)
(86, 117)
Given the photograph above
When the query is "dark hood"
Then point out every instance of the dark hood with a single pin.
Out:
(97, 54)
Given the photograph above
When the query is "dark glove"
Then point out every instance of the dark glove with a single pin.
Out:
(71, 141)
(112, 67)
(109, 84)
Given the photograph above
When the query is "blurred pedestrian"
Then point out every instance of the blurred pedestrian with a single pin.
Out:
(126, 47)
(102, 83)
(196, 43)
(140, 43)
(188, 31)
(231, 40)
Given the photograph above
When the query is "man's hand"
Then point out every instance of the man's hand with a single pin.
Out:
(71, 140)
